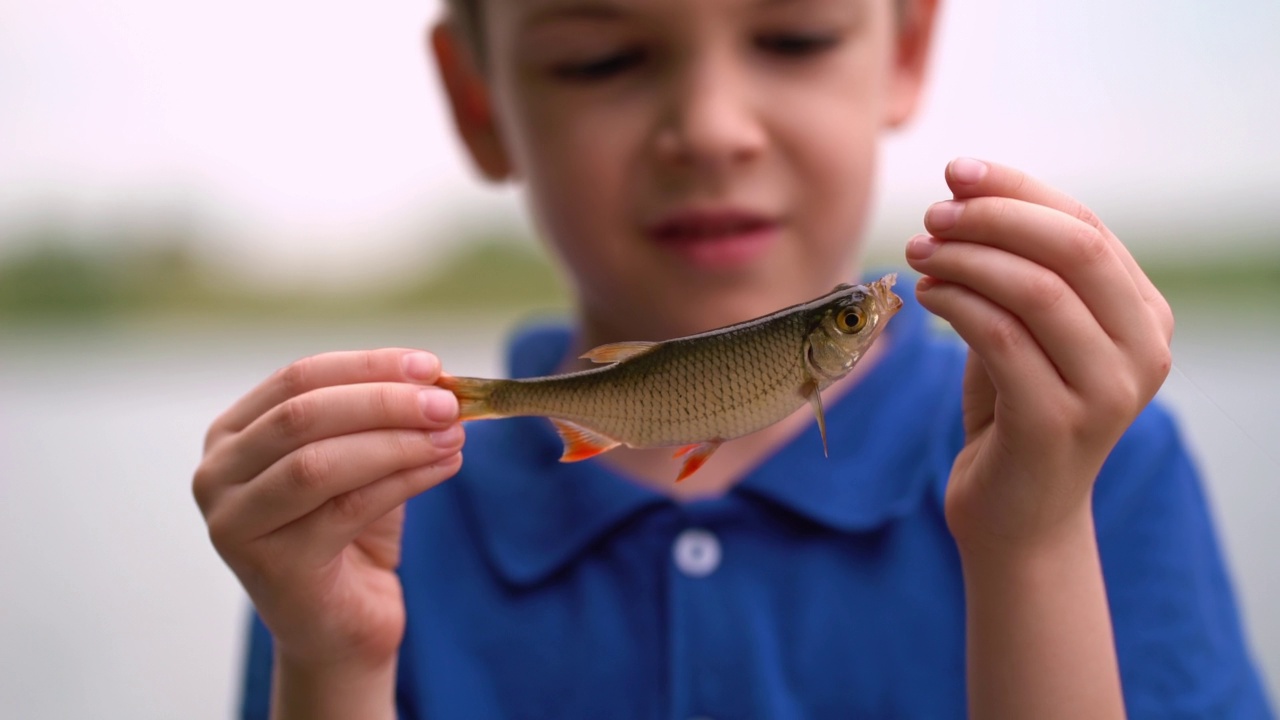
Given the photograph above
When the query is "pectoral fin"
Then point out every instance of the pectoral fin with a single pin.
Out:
(617, 352)
(810, 391)
(581, 443)
(695, 456)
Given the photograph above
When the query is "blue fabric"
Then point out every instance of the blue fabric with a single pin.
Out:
(537, 589)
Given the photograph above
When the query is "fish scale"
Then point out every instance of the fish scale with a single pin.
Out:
(700, 390)
(677, 393)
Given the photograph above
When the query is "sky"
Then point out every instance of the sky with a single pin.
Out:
(309, 140)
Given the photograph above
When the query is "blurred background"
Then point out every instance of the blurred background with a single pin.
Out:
(194, 195)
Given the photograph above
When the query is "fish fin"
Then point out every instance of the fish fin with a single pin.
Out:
(695, 457)
(617, 352)
(472, 394)
(682, 451)
(810, 390)
(581, 443)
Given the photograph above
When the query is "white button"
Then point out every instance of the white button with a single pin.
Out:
(696, 552)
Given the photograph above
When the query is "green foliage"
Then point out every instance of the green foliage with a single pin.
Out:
(59, 281)
(1233, 288)
(1236, 279)
(487, 273)
(54, 282)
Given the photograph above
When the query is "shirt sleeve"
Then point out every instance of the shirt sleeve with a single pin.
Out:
(255, 700)
(1179, 638)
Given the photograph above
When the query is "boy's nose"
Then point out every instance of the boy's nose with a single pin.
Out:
(711, 119)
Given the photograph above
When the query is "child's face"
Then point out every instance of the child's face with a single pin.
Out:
(694, 162)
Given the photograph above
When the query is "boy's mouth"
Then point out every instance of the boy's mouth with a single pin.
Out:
(715, 239)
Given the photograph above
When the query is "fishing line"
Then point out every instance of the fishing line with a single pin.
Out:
(1221, 411)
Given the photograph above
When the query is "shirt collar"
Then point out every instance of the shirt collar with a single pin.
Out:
(535, 514)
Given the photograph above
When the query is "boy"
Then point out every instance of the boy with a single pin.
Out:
(692, 164)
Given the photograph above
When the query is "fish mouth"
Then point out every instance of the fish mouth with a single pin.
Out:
(882, 291)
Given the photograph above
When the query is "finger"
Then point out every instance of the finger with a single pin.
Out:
(1051, 311)
(325, 413)
(969, 177)
(338, 368)
(1020, 372)
(323, 533)
(1072, 249)
(980, 396)
(313, 475)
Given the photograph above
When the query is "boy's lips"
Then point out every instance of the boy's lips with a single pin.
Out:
(715, 238)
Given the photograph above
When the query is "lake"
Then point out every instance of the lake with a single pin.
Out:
(114, 604)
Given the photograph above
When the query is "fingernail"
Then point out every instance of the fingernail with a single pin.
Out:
(421, 365)
(438, 405)
(943, 216)
(967, 171)
(925, 284)
(921, 247)
(447, 437)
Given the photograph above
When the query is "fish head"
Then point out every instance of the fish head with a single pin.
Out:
(846, 323)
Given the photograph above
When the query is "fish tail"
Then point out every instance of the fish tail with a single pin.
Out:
(473, 396)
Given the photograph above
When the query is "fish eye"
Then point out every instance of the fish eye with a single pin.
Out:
(851, 320)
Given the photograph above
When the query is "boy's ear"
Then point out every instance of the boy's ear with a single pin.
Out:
(914, 42)
(469, 100)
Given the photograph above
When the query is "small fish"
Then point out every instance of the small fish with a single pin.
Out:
(698, 391)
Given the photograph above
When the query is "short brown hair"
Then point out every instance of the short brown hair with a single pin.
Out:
(466, 18)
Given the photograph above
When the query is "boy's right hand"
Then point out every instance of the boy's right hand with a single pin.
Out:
(303, 485)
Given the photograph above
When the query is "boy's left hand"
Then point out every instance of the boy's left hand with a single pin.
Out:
(1068, 341)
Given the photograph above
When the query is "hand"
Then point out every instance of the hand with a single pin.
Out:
(303, 485)
(1068, 341)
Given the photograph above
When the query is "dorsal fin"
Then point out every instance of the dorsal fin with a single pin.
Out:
(617, 352)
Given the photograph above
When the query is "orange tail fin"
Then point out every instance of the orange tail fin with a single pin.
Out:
(472, 394)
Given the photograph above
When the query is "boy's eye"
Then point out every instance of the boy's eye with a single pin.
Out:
(600, 68)
(796, 44)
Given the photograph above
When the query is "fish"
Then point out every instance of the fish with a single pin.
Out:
(698, 391)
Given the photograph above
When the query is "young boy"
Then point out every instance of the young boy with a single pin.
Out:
(1001, 530)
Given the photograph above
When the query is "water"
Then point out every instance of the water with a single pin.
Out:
(114, 604)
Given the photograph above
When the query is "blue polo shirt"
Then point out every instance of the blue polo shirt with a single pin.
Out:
(816, 588)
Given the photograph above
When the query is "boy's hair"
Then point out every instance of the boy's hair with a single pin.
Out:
(465, 17)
